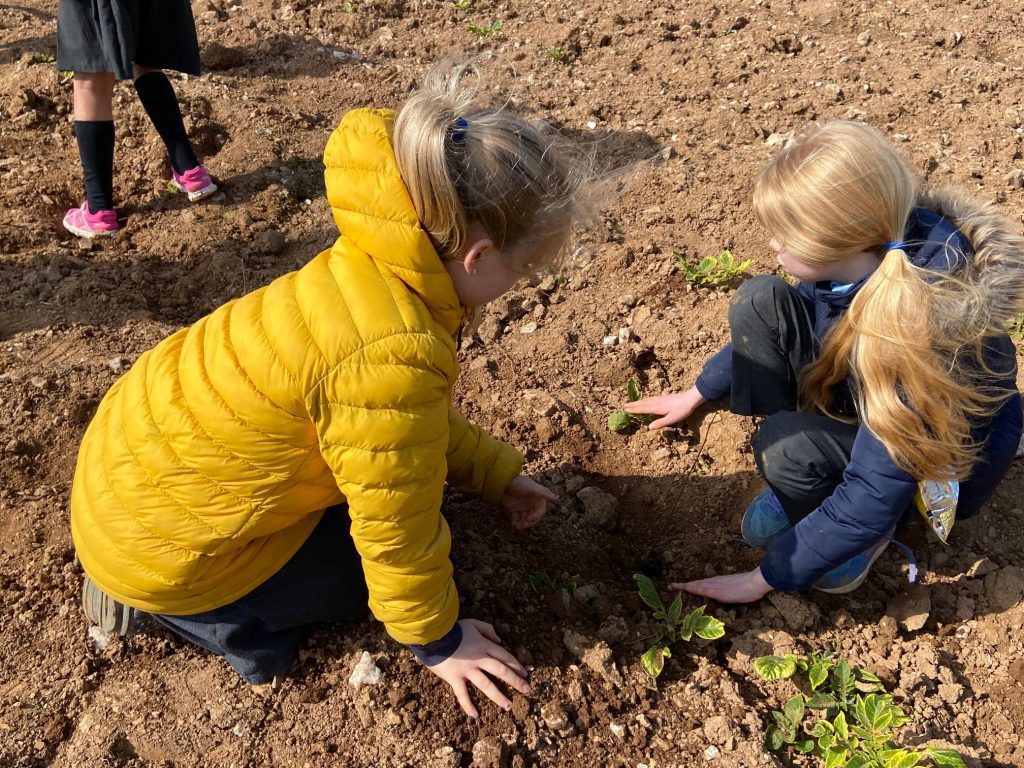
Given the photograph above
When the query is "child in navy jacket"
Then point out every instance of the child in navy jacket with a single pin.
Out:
(884, 366)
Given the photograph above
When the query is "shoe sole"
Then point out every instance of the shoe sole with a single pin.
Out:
(859, 580)
(107, 613)
(197, 195)
(89, 233)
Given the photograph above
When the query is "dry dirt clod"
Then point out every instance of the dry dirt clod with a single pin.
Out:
(489, 752)
(600, 509)
(911, 608)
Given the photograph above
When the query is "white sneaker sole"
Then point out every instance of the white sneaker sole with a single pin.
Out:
(860, 579)
(197, 195)
(89, 233)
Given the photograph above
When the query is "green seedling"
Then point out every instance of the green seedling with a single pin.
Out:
(1016, 328)
(42, 58)
(490, 31)
(463, 5)
(555, 53)
(858, 722)
(712, 270)
(619, 420)
(672, 626)
(541, 582)
(348, 8)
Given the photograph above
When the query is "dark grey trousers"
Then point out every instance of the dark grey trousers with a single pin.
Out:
(801, 454)
(260, 633)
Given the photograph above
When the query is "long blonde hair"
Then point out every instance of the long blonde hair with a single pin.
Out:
(467, 164)
(912, 339)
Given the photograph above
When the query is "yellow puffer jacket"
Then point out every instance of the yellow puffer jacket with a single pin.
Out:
(208, 464)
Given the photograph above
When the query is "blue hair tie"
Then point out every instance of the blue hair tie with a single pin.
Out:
(895, 245)
(459, 131)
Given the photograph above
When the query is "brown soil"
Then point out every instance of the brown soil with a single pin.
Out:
(705, 87)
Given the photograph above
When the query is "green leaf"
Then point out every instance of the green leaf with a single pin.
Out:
(826, 741)
(794, 709)
(842, 679)
(675, 609)
(822, 728)
(707, 265)
(744, 266)
(820, 700)
(773, 738)
(903, 759)
(632, 391)
(804, 745)
(775, 667)
(725, 260)
(835, 757)
(653, 660)
(817, 675)
(708, 627)
(647, 591)
(945, 758)
(839, 724)
(497, 25)
(859, 760)
(618, 421)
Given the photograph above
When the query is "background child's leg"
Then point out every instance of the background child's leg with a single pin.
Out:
(772, 338)
(260, 634)
(94, 131)
(802, 456)
(161, 104)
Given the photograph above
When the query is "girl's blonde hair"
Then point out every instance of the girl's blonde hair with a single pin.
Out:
(912, 339)
(467, 164)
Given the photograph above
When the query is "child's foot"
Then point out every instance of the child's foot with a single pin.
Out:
(764, 520)
(196, 183)
(107, 613)
(84, 223)
(851, 574)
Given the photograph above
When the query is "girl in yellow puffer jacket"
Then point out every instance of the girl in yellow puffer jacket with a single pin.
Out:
(212, 483)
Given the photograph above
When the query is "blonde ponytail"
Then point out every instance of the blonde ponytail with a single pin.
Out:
(466, 164)
(912, 340)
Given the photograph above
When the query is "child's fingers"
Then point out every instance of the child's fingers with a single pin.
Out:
(546, 493)
(664, 421)
(462, 696)
(643, 406)
(486, 630)
(509, 671)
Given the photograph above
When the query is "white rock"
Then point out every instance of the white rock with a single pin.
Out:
(618, 730)
(610, 341)
(625, 335)
(365, 672)
(712, 753)
(99, 638)
(529, 328)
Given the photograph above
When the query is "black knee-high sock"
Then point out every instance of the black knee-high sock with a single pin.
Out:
(157, 96)
(96, 148)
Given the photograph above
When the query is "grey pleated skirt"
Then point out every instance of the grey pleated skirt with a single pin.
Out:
(111, 35)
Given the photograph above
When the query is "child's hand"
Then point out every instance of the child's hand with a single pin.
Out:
(526, 502)
(478, 658)
(735, 588)
(672, 408)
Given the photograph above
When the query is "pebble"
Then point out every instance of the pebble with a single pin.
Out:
(780, 140)
(365, 672)
(119, 365)
(712, 753)
(555, 715)
(530, 327)
(600, 508)
(610, 341)
(489, 752)
(864, 38)
(911, 608)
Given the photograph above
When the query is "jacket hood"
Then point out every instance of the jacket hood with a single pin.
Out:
(373, 211)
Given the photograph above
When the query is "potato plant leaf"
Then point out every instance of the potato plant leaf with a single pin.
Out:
(775, 667)
(647, 592)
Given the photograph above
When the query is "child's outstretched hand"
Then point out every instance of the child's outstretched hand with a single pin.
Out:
(672, 408)
(526, 502)
(746, 587)
(478, 658)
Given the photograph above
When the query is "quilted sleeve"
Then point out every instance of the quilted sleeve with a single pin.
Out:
(381, 416)
(477, 462)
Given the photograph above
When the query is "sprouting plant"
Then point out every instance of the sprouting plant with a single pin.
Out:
(560, 280)
(619, 420)
(348, 8)
(556, 53)
(42, 58)
(479, 31)
(66, 75)
(1016, 328)
(463, 5)
(673, 626)
(541, 582)
(859, 720)
(712, 270)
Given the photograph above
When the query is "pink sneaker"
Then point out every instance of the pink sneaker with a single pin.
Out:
(84, 223)
(195, 183)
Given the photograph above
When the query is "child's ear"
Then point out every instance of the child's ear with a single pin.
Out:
(475, 251)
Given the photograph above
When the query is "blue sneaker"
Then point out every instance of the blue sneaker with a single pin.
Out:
(764, 520)
(851, 574)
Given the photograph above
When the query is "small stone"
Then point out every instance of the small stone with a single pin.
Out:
(864, 38)
(595, 655)
(365, 672)
(619, 731)
(712, 753)
(900, 137)
(41, 382)
(530, 327)
(911, 608)
(269, 242)
(610, 341)
(1004, 588)
(540, 402)
(1015, 179)
(118, 365)
(625, 335)
(555, 715)
(780, 140)
(489, 752)
(600, 509)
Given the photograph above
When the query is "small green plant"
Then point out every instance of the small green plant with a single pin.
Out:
(348, 8)
(672, 626)
(712, 270)
(619, 420)
(541, 582)
(859, 720)
(556, 53)
(490, 31)
(42, 58)
(463, 5)
(1016, 328)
